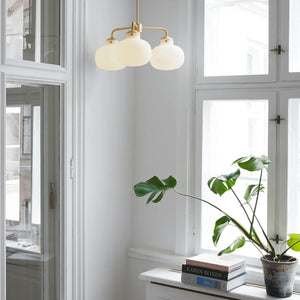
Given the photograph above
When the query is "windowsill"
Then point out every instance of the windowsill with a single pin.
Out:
(172, 278)
(167, 258)
(13, 246)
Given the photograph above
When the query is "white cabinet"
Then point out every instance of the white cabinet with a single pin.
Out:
(165, 284)
(159, 292)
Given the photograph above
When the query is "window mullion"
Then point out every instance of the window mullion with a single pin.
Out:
(282, 169)
(272, 228)
(283, 38)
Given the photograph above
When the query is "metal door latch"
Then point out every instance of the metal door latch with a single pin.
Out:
(277, 119)
(278, 49)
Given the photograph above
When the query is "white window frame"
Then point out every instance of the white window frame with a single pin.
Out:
(277, 175)
(69, 76)
(238, 96)
(194, 88)
(284, 74)
(201, 79)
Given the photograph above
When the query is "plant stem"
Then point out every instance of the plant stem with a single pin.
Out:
(264, 233)
(258, 249)
(241, 204)
(247, 215)
(256, 201)
(282, 245)
(239, 226)
(286, 250)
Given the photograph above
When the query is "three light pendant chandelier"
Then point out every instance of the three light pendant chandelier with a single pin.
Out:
(134, 51)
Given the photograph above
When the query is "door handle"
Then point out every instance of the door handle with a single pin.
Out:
(52, 196)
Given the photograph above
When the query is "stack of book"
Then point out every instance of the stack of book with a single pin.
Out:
(219, 272)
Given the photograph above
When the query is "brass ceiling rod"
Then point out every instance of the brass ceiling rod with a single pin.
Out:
(137, 26)
(137, 11)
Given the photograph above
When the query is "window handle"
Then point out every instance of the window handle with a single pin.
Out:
(52, 196)
(278, 119)
(276, 239)
(278, 49)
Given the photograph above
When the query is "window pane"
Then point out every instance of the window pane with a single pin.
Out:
(236, 37)
(294, 168)
(13, 126)
(232, 129)
(33, 30)
(294, 36)
(32, 192)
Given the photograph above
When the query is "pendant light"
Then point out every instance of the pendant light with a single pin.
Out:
(134, 51)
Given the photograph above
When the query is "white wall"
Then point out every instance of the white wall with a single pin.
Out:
(155, 133)
(131, 132)
(157, 126)
(108, 100)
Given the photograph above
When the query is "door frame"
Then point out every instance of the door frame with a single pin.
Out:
(70, 76)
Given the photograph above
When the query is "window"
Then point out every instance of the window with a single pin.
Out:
(294, 32)
(236, 37)
(32, 190)
(293, 224)
(243, 107)
(231, 128)
(234, 40)
(33, 30)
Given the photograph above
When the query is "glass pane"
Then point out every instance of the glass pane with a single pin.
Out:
(32, 192)
(294, 36)
(236, 37)
(294, 168)
(33, 30)
(232, 129)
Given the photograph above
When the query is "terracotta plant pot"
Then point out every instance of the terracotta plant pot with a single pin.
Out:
(279, 276)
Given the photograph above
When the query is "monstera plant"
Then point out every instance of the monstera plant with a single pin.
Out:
(252, 231)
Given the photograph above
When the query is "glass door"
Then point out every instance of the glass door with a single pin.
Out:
(32, 182)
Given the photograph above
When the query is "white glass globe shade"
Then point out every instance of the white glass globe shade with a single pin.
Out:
(133, 51)
(167, 56)
(106, 57)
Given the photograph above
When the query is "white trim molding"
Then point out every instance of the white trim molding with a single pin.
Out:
(184, 131)
(79, 178)
(2, 191)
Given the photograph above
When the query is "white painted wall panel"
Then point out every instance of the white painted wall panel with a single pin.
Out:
(155, 133)
(108, 100)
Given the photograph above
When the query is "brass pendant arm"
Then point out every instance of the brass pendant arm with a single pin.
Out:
(138, 27)
(137, 11)
(158, 28)
(119, 29)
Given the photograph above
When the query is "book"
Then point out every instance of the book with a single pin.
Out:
(222, 285)
(222, 275)
(224, 263)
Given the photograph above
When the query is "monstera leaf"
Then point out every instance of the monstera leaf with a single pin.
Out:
(294, 241)
(238, 243)
(253, 163)
(155, 187)
(220, 225)
(220, 185)
(252, 191)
